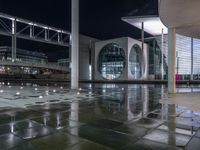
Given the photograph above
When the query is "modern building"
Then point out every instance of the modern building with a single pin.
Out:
(187, 49)
(22, 55)
(86, 58)
(187, 56)
(64, 62)
(114, 60)
(121, 59)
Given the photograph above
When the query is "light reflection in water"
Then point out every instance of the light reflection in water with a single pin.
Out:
(30, 124)
(58, 121)
(12, 125)
(127, 102)
(45, 120)
(74, 117)
(171, 125)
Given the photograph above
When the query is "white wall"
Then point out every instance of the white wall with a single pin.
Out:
(131, 43)
(126, 43)
(85, 44)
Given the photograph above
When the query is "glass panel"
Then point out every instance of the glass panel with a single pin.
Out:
(111, 61)
(135, 61)
(196, 59)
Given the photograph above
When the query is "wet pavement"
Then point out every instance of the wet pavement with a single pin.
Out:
(99, 116)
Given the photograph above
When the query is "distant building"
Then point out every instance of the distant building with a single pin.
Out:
(86, 58)
(64, 62)
(25, 61)
(22, 55)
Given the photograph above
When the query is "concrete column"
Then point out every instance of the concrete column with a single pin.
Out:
(144, 56)
(192, 58)
(162, 55)
(142, 37)
(154, 58)
(14, 40)
(142, 34)
(75, 45)
(171, 60)
(90, 60)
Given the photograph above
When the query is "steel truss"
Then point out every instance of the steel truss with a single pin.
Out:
(29, 30)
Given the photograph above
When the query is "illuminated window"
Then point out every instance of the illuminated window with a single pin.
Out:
(111, 61)
(135, 61)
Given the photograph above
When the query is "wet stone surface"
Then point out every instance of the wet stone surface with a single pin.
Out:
(59, 141)
(106, 137)
(87, 145)
(147, 123)
(132, 130)
(149, 145)
(9, 140)
(170, 138)
(98, 116)
(198, 134)
(193, 144)
(24, 146)
(34, 132)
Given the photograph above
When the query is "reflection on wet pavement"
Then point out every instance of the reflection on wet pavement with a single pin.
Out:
(98, 116)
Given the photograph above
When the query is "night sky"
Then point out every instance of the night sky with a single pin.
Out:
(98, 18)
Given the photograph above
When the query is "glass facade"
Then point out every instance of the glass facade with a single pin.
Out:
(183, 55)
(135, 61)
(187, 54)
(155, 58)
(111, 61)
(196, 59)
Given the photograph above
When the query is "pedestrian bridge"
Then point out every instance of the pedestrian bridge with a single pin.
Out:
(51, 66)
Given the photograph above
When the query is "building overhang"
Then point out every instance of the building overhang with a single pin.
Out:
(183, 15)
(152, 24)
